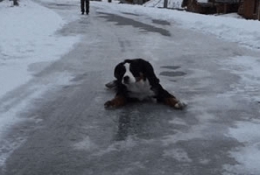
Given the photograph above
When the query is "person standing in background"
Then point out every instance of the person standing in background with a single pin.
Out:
(83, 4)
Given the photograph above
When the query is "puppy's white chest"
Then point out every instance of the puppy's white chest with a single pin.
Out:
(140, 90)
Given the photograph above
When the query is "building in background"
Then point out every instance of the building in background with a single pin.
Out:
(250, 9)
(211, 6)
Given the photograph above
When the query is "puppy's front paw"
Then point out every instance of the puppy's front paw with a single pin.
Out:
(115, 103)
(180, 105)
(111, 84)
(173, 102)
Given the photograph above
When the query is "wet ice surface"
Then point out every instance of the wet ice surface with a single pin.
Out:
(135, 23)
(153, 139)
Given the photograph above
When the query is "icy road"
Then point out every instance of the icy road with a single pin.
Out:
(68, 131)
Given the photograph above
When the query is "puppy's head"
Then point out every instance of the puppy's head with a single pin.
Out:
(129, 72)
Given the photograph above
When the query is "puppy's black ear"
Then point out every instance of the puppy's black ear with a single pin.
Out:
(119, 71)
(149, 73)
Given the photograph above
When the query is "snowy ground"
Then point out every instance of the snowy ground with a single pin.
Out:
(27, 35)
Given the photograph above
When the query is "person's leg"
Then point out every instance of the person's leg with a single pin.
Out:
(82, 6)
(87, 6)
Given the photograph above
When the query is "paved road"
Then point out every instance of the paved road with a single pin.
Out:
(70, 133)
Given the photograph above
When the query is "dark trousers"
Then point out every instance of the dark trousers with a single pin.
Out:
(84, 4)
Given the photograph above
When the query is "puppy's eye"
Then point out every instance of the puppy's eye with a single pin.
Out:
(135, 72)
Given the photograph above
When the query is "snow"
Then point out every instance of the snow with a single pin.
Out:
(159, 3)
(203, 1)
(23, 43)
(247, 156)
(28, 37)
(227, 27)
(248, 69)
(178, 154)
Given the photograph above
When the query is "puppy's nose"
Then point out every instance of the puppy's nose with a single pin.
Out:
(126, 79)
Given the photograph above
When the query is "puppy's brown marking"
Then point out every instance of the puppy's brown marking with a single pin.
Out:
(118, 101)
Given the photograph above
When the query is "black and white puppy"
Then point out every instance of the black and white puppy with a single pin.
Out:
(136, 80)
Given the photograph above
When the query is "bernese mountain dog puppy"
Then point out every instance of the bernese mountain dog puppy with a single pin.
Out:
(136, 80)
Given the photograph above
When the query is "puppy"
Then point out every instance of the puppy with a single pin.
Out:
(136, 80)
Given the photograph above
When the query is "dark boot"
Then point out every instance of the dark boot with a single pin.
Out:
(82, 6)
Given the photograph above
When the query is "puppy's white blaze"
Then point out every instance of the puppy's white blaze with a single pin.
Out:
(129, 74)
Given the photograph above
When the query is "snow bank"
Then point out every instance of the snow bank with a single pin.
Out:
(28, 36)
